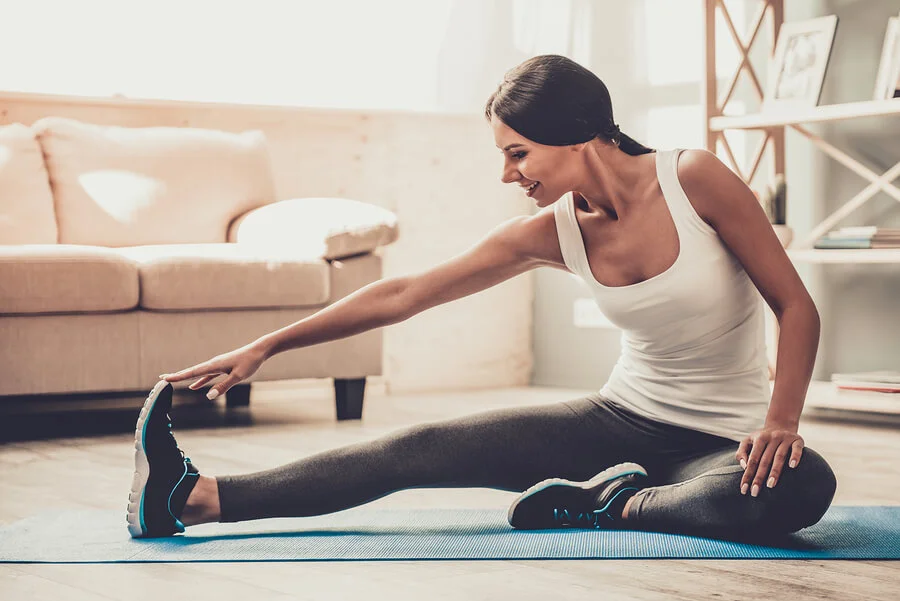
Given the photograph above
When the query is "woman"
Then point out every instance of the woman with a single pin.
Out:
(671, 243)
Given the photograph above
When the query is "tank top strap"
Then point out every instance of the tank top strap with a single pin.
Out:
(570, 241)
(683, 212)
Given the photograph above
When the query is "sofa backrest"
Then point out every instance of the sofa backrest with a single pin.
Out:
(129, 186)
(26, 202)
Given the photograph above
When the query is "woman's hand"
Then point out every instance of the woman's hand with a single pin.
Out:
(770, 447)
(238, 365)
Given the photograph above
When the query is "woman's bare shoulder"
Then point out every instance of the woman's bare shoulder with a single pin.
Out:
(696, 167)
(539, 239)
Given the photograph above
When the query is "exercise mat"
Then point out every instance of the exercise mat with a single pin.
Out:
(364, 533)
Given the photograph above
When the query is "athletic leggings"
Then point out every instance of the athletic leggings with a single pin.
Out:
(693, 477)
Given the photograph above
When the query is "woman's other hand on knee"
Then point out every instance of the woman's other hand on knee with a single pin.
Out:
(764, 453)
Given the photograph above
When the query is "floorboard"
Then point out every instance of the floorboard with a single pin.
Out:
(86, 459)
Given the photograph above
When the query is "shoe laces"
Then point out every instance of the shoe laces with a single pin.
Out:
(582, 519)
(174, 442)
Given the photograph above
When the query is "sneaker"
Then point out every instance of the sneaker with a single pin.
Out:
(560, 503)
(163, 476)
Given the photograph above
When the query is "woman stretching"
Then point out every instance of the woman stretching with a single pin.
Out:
(684, 437)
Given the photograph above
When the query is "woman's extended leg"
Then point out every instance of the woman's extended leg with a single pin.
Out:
(701, 496)
(507, 449)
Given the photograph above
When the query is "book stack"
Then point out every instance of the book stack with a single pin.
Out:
(869, 236)
(868, 381)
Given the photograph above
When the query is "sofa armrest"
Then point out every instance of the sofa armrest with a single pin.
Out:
(331, 228)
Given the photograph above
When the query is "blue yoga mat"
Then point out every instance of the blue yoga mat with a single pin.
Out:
(363, 533)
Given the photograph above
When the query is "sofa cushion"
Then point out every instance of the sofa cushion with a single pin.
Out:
(26, 202)
(331, 228)
(126, 186)
(187, 277)
(63, 278)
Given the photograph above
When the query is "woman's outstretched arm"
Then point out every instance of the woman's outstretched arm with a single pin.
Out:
(500, 255)
(507, 251)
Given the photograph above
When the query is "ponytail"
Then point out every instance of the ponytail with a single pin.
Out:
(629, 146)
(626, 143)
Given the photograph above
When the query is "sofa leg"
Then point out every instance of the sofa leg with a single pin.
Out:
(348, 395)
(238, 396)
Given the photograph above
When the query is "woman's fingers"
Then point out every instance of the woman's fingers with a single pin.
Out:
(223, 386)
(756, 454)
(180, 375)
(201, 382)
(192, 372)
(796, 451)
(765, 464)
(236, 366)
(743, 451)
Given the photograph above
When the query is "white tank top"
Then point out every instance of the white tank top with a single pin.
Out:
(693, 337)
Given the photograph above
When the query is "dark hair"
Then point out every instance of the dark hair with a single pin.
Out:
(553, 100)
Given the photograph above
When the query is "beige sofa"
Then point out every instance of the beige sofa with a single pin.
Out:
(130, 252)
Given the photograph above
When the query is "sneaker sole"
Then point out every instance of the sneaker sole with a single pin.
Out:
(136, 525)
(607, 474)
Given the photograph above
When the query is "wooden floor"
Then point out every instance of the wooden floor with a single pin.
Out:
(88, 463)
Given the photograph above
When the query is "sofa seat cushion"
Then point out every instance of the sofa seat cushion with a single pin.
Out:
(124, 186)
(26, 201)
(188, 277)
(66, 278)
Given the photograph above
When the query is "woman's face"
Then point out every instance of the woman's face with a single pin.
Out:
(544, 173)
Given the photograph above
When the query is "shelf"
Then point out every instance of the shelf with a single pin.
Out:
(823, 395)
(845, 255)
(829, 112)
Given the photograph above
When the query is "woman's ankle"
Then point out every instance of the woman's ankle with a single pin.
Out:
(625, 510)
(202, 504)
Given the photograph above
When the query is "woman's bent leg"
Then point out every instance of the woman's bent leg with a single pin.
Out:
(507, 449)
(702, 497)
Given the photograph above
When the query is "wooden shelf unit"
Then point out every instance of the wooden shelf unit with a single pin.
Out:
(828, 112)
(845, 255)
(824, 395)
(772, 123)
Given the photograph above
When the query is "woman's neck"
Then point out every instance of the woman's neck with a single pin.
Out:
(614, 181)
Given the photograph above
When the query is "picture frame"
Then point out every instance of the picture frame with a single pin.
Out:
(797, 69)
(887, 82)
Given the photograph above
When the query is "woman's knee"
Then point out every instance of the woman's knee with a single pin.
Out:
(805, 494)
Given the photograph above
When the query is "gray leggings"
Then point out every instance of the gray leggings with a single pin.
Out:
(694, 479)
